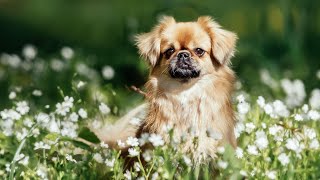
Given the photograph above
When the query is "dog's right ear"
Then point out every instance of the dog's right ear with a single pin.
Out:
(149, 43)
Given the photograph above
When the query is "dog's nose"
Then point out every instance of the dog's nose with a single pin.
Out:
(183, 55)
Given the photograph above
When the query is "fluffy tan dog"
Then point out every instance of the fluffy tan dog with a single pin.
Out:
(189, 86)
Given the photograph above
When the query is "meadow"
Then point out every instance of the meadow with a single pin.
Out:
(42, 138)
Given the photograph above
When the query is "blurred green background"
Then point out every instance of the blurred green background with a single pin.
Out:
(281, 36)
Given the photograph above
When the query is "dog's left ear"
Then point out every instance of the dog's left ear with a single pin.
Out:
(149, 43)
(222, 41)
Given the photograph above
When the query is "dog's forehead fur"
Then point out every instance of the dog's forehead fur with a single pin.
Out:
(185, 35)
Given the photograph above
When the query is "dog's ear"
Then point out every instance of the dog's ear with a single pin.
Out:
(222, 41)
(149, 43)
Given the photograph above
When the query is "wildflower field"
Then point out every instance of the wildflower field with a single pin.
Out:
(277, 134)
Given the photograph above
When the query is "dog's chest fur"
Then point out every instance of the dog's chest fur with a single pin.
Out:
(198, 118)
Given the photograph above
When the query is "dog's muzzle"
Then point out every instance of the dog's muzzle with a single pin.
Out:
(183, 66)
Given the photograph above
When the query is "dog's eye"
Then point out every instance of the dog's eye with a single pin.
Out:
(199, 51)
(169, 52)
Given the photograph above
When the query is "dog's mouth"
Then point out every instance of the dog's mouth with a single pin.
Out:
(183, 69)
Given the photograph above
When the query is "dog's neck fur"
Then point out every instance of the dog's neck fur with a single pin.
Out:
(193, 109)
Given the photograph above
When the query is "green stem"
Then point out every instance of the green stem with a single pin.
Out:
(153, 162)
(142, 168)
(13, 163)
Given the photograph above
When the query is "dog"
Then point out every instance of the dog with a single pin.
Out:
(189, 87)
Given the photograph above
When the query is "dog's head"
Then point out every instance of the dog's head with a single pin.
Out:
(186, 50)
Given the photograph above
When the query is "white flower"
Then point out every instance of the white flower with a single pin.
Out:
(220, 149)
(314, 144)
(107, 72)
(104, 109)
(133, 152)
(187, 160)
(56, 65)
(310, 133)
(250, 127)
(97, 157)
(252, 149)
(222, 164)
(69, 129)
(280, 109)
(314, 100)
(273, 130)
(295, 92)
(74, 117)
(241, 98)
(42, 118)
(42, 172)
(143, 138)
(137, 167)
(53, 126)
(104, 145)
(298, 117)
(10, 114)
(61, 109)
(36, 132)
(22, 107)
(147, 155)
(239, 128)
(12, 95)
(19, 157)
(243, 107)
(82, 113)
(29, 51)
(132, 141)
(27, 122)
(21, 135)
(313, 115)
(271, 174)
(41, 145)
(135, 121)
(68, 101)
(155, 176)
(293, 144)
(239, 153)
(127, 175)
(80, 84)
(261, 140)
(305, 108)
(8, 169)
(268, 109)
(284, 159)
(36, 92)
(156, 140)
(243, 173)
(70, 158)
(67, 53)
(121, 144)
(267, 79)
(110, 163)
(261, 101)
(24, 161)
(13, 60)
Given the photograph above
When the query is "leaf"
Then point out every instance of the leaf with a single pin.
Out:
(87, 134)
(52, 136)
(81, 145)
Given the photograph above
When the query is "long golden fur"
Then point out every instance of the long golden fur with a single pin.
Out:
(197, 106)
